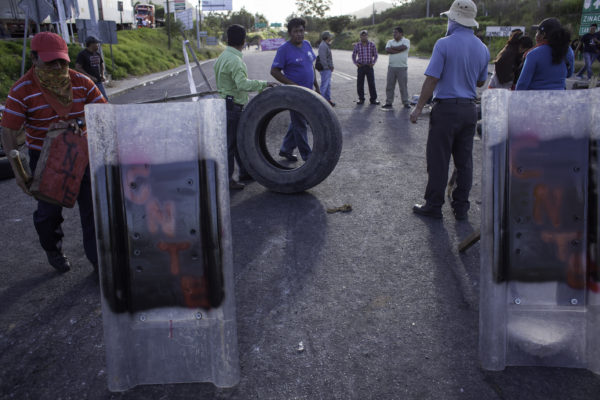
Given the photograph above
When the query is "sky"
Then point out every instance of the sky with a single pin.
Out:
(278, 10)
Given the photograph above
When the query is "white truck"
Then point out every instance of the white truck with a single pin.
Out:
(12, 18)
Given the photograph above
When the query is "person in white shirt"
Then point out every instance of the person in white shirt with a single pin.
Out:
(397, 48)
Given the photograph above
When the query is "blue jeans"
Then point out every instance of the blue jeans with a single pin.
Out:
(296, 136)
(100, 86)
(589, 59)
(326, 83)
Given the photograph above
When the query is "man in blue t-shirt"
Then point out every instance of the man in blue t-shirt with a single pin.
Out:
(293, 65)
(458, 64)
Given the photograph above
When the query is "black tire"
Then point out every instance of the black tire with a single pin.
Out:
(326, 132)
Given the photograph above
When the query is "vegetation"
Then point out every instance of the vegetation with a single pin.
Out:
(144, 51)
(313, 8)
(139, 52)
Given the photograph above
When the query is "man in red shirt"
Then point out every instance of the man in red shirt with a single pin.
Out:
(48, 93)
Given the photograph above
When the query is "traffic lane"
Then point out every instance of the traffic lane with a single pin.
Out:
(384, 305)
(175, 85)
(402, 270)
(381, 270)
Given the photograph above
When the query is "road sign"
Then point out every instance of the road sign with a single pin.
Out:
(203, 33)
(276, 25)
(186, 17)
(260, 25)
(179, 5)
(106, 30)
(211, 41)
(36, 10)
(501, 31)
(215, 5)
(589, 15)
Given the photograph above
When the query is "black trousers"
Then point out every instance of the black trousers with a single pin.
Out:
(234, 112)
(48, 218)
(451, 131)
(360, 82)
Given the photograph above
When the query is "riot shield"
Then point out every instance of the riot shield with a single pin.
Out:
(161, 203)
(539, 294)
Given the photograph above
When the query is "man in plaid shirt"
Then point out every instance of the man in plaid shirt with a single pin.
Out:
(364, 57)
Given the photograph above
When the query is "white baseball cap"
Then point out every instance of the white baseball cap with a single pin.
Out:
(462, 12)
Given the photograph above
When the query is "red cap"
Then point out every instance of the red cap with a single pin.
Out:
(50, 46)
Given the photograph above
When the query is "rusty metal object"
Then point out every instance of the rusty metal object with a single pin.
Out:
(61, 167)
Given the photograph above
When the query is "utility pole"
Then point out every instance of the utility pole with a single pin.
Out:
(168, 25)
(197, 28)
(62, 23)
(373, 12)
(427, 12)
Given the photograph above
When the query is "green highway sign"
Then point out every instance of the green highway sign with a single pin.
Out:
(589, 15)
(276, 25)
(260, 25)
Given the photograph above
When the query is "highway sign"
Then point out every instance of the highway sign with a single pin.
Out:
(589, 15)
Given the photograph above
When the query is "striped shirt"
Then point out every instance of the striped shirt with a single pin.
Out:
(364, 54)
(27, 105)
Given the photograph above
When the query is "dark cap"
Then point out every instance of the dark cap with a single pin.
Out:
(91, 40)
(50, 46)
(364, 32)
(548, 25)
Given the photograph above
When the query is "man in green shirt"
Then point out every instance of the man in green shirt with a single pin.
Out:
(233, 85)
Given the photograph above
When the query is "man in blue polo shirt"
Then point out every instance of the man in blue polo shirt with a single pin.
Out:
(293, 65)
(458, 64)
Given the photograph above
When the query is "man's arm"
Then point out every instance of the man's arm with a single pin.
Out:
(395, 49)
(316, 83)
(426, 93)
(9, 142)
(277, 74)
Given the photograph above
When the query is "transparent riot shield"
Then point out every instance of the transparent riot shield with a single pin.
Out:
(161, 203)
(539, 295)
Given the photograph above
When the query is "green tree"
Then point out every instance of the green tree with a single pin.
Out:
(241, 17)
(313, 8)
(260, 18)
(339, 23)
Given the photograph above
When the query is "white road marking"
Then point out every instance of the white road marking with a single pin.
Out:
(343, 75)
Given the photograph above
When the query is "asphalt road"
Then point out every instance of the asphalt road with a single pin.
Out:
(384, 305)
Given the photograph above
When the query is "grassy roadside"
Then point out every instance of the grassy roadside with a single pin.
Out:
(139, 52)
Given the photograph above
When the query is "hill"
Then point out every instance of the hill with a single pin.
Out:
(367, 12)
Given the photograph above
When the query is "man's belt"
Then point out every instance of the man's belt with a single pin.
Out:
(456, 100)
(231, 105)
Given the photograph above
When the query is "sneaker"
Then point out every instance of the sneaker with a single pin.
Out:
(233, 185)
(331, 103)
(375, 102)
(288, 156)
(387, 106)
(360, 102)
(406, 105)
(59, 261)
